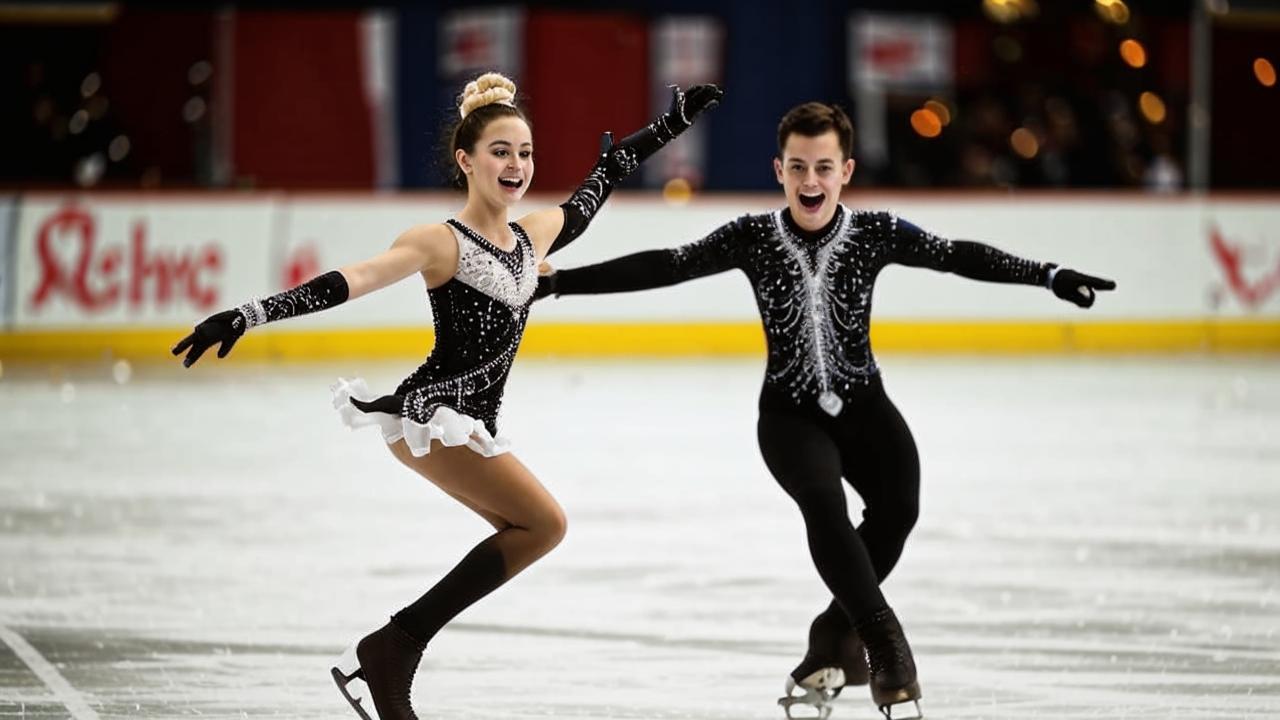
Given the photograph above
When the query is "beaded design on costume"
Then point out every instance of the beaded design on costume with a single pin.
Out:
(622, 160)
(480, 316)
(506, 276)
(318, 293)
(814, 294)
(591, 194)
(819, 315)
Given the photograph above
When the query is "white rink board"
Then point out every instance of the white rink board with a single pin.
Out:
(7, 216)
(1174, 258)
(87, 262)
(333, 233)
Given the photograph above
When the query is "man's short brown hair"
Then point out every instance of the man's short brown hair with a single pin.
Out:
(813, 119)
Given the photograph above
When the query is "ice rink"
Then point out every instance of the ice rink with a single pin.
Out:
(1100, 538)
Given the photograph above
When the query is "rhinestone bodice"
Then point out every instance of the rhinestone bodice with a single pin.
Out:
(480, 316)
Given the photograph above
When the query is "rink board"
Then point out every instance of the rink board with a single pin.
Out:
(125, 274)
(7, 290)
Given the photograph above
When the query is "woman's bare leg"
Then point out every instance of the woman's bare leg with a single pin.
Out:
(504, 492)
(529, 523)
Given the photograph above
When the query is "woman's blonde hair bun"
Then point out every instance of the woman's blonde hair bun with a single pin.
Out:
(487, 89)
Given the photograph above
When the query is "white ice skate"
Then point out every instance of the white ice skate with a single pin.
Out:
(817, 690)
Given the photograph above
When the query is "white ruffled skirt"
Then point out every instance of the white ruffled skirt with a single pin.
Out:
(447, 425)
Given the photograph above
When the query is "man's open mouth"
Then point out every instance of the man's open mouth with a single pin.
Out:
(812, 201)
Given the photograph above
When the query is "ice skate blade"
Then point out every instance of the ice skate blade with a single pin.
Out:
(821, 710)
(887, 711)
(346, 671)
(815, 692)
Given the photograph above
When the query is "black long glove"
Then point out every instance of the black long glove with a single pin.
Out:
(1078, 288)
(318, 293)
(225, 327)
(618, 160)
(546, 286)
(687, 106)
(622, 159)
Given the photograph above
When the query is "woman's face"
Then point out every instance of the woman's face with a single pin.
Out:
(500, 166)
(812, 171)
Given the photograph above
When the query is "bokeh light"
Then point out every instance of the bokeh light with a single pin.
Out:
(1024, 142)
(118, 148)
(79, 121)
(1152, 107)
(926, 123)
(1265, 72)
(89, 170)
(939, 108)
(1133, 53)
(199, 72)
(1008, 11)
(90, 85)
(1112, 11)
(677, 191)
(194, 109)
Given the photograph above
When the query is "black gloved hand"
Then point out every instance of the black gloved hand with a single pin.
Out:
(546, 286)
(225, 327)
(618, 160)
(687, 106)
(1078, 288)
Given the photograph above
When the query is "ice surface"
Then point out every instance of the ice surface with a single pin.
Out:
(1100, 538)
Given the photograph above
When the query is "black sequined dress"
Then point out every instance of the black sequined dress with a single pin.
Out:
(479, 318)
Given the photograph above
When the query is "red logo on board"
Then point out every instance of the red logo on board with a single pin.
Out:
(302, 265)
(1234, 260)
(73, 265)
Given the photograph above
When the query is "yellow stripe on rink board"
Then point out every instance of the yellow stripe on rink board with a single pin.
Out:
(669, 340)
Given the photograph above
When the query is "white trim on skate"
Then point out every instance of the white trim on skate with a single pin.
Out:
(62, 690)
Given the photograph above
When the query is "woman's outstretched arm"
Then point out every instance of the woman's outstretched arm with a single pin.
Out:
(417, 249)
(554, 228)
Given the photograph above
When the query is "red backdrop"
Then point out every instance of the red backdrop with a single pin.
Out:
(300, 114)
(577, 88)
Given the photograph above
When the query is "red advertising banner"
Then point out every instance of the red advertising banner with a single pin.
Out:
(82, 263)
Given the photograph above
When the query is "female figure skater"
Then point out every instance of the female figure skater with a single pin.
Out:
(824, 413)
(481, 272)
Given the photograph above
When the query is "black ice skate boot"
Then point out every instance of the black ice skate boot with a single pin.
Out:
(853, 659)
(385, 660)
(835, 658)
(892, 669)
